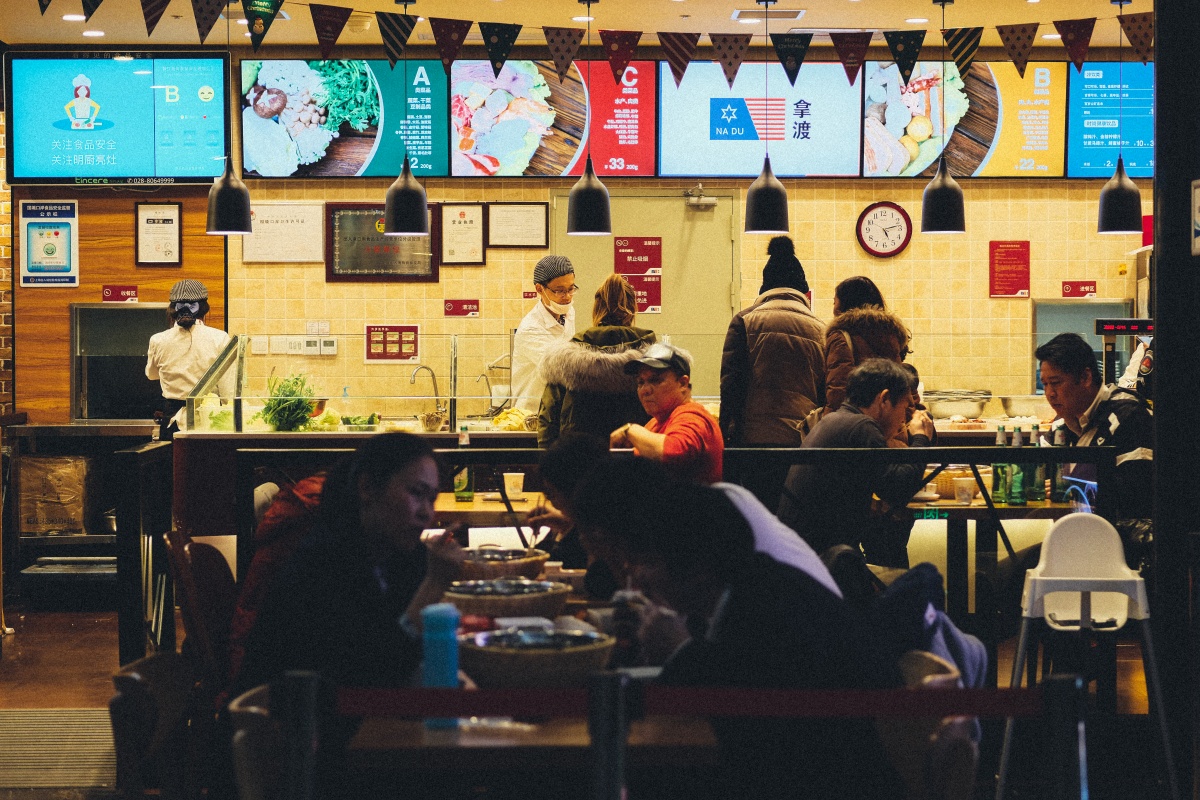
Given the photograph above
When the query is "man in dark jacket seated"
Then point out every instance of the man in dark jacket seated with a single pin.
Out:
(830, 504)
(755, 622)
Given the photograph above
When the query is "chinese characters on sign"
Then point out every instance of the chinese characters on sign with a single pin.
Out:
(461, 308)
(1008, 267)
(392, 343)
(49, 243)
(285, 233)
(119, 293)
(462, 233)
(639, 259)
(1079, 289)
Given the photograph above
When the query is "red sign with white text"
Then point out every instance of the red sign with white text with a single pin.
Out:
(622, 128)
(1079, 289)
(1008, 267)
(528, 295)
(392, 343)
(639, 259)
(462, 308)
(117, 293)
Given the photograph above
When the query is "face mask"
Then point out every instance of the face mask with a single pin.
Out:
(556, 308)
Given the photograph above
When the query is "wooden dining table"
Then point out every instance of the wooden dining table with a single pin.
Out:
(485, 510)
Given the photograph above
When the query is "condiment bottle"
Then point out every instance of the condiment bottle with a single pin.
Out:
(464, 479)
(1058, 492)
(1016, 472)
(1000, 471)
(440, 640)
(1035, 483)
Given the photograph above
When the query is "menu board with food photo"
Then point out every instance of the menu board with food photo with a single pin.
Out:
(315, 119)
(525, 121)
(992, 122)
(706, 128)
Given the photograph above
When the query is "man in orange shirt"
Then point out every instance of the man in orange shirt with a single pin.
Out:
(680, 433)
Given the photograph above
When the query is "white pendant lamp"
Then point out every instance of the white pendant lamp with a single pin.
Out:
(942, 205)
(1120, 199)
(406, 206)
(766, 199)
(588, 209)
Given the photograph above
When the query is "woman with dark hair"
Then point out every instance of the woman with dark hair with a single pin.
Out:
(587, 389)
(862, 328)
(347, 602)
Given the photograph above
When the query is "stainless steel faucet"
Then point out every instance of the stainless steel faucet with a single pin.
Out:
(437, 396)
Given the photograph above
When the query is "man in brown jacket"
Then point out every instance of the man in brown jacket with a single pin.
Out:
(772, 368)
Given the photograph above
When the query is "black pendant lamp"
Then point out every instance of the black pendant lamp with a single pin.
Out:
(229, 199)
(1120, 199)
(942, 205)
(766, 199)
(405, 207)
(588, 209)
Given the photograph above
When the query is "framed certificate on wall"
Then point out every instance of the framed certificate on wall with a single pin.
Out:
(159, 234)
(356, 248)
(464, 228)
(518, 225)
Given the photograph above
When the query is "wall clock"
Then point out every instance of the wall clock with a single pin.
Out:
(884, 229)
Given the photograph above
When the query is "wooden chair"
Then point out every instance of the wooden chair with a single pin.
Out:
(936, 758)
(150, 714)
(274, 755)
(207, 595)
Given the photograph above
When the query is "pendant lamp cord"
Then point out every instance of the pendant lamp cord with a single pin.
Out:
(1120, 81)
(766, 80)
(404, 122)
(587, 107)
(943, 89)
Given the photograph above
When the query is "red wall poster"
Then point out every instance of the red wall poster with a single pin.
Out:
(1008, 266)
(639, 259)
(392, 343)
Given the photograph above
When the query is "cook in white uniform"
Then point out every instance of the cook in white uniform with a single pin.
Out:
(550, 322)
(178, 357)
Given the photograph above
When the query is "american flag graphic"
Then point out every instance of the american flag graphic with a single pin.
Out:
(770, 117)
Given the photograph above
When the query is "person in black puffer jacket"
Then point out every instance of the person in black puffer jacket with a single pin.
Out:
(587, 388)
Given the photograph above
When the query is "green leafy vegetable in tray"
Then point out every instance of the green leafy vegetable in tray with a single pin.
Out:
(291, 403)
(372, 419)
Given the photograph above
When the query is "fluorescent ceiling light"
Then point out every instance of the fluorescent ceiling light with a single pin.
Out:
(582, 19)
(916, 20)
(1051, 36)
(93, 33)
(74, 18)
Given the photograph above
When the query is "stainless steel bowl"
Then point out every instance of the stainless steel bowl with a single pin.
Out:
(943, 409)
(1027, 405)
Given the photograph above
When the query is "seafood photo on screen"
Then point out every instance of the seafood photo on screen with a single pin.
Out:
(903, 127)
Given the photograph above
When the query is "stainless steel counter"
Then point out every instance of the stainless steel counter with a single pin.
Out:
(130, 428)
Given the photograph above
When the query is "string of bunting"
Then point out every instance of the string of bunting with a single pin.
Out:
(620, 47)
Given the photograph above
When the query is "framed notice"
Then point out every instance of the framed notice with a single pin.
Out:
(392, 343)
(285, 233)
(1008, 269)
(518, 225)
(159, 234)
(356, 248)
(464, 230)
(49, 231)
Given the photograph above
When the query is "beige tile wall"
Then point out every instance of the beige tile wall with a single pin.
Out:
(962, 338)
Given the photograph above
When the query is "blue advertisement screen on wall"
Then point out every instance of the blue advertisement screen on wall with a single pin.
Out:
(126, 119)
(706, 128)
(1106, 118)
(328, 119)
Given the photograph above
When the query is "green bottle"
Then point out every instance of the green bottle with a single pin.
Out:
(464, 479)
(1016, 472)
(1058, 492)
(1035, 484)
(1000, 471)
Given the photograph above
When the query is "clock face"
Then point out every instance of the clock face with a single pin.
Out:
(884, 229)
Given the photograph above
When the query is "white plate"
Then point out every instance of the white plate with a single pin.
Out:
(927, 497)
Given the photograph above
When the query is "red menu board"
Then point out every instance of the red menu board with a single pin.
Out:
(392, 343)
(1008, 266)
(639, 260)
(621, 133)
(461, 308)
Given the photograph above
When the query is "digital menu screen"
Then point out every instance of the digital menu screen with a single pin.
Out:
(325, 119)
(1105, 119)
(527, 122)
(994, 123)
(128, 120)
(706, 128)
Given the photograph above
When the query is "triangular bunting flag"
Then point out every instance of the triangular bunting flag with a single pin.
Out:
(44, 4)
(206, 12)
(449, 35)
(1140, 30)
(259, 16)
(963, 44)
(1076, 37)
(328, 22)
(563, 44)
(851, 49)
(905, 47)
(730, 49)
(679, 49)
(395, 29)
(498, 38)
(1018, 41)
(153, 10)
(620, 47)
(89, 8)
(790, 49)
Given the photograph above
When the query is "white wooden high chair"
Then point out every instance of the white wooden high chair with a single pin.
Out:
(1081, 582)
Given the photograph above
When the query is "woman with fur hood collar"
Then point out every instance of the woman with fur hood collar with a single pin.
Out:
(587, 389)
(862, 328)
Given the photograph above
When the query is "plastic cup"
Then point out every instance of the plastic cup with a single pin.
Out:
(964, 490)
(514, 484)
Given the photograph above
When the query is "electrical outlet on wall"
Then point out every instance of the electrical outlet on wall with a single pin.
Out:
(295, 345)
(259, 345)
(328, 346)
(279, 345)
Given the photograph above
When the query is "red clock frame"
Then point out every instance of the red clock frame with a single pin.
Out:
(907, 232)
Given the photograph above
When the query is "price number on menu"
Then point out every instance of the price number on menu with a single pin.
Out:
(616, 163)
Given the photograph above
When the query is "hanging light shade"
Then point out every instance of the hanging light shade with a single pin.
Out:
(405, 210)
(588, 212)
(229, 205)
(942, 204)
(1120, 204)
(766, 203)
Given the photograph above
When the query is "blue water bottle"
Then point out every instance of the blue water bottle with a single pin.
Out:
(440, 667)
